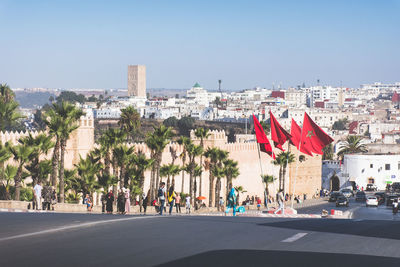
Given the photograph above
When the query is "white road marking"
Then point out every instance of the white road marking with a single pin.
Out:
(294, 238)
(74, 226)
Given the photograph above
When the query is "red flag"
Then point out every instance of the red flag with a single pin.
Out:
(313, 138)
(262, 139)
(278, 134)
(295, 131)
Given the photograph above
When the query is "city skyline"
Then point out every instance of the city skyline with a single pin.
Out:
(89, 45)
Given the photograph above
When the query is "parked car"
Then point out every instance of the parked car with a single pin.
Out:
(360, 196)
(333, 196)
(381, 196)
(347, 192)
(371, 187)
(371, 201)
(342, 201)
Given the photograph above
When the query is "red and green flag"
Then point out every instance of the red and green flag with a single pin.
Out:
(265, 145)
(278, 134)
(313, 138)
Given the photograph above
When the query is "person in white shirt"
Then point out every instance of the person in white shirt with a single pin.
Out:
(37, 195)
(188, 205)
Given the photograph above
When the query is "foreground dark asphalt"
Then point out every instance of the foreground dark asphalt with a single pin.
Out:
(111, 240)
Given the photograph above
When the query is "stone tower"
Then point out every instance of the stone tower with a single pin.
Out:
(137, 80)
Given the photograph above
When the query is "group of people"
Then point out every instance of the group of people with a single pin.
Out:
(172, 198)
(123, 201)
(47, 193)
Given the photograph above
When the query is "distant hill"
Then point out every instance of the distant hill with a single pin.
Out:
(33, 100)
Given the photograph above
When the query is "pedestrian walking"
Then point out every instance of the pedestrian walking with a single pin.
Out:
(53, 198)
(171, 199)
(121, 201)
(258, 203)
(178, 203)
(187, 205)
(146, 201)
(221, 204)
(395, 206)
(231, 202)
(37, 195)
(110, 202)
(161, 196)
(103, 200)
(280, 199)
(89, 204)
(127, 201)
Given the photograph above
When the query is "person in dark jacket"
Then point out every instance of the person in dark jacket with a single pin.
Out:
(110, 201)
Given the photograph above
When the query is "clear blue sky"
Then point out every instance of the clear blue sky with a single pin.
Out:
(88, 44)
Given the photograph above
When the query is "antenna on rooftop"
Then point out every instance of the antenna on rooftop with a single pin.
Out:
(219, 87)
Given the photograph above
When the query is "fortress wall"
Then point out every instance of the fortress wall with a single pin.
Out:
(308, 172)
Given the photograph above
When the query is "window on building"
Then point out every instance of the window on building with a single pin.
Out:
(387, 167)
(371, 165)
(371, 180)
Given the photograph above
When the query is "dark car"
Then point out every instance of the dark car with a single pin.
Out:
(381, 197)
(333, 196)
(342, 201)
(360, 196)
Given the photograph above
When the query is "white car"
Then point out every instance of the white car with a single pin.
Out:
(372, 201)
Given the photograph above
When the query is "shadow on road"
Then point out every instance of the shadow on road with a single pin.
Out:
(369, 228)
(280, 258)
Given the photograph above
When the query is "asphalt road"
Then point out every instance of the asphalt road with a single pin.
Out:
(50, 239)
(356, 210)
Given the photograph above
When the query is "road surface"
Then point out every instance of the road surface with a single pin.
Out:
(51, 239)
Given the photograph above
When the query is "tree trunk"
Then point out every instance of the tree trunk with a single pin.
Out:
(280, 177)
(122, 176)
(141, 184)
(217, 192)
(152, 178)
(183, 178)
(211, 195)
(201, 174)
(115, 174)
(107, 163)
(191, 185)
(173, 181)
(54, 163)
(283, 179)
(158, 165)
(18, 181)
(63, 144)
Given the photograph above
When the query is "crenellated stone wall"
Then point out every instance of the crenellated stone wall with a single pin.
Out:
(308, 172)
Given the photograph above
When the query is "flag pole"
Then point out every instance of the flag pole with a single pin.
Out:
(297, 163)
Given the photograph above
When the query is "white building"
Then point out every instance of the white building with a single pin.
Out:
(372, 169)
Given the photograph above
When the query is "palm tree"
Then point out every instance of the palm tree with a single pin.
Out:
(88, 168)
(222, 155)
(5, 154)
(283, 159)
(9, 114)
(193, 151)
(169, 170)
(202, 134)
(240, 190)
(352, 144)
(69, 115)
(21, 154)
(41, 145)
(157, 141)
(197, 173)
(141, 164)
(231, 171)
(212, 155)
(54, 124)
(8, 175)
(129, 121)
(122, 155)
(267, 180)
(183, 140)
